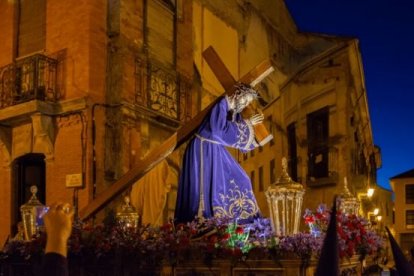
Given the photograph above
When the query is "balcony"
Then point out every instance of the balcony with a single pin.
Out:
(30, 78)
(162, 91)
(322, 166)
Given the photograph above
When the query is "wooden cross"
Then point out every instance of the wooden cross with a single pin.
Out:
(179, 137)
(224, 76)
(227, 81)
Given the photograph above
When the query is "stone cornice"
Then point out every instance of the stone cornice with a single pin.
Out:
(13, 114)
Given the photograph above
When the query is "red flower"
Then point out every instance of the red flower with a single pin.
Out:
(226, 236)
(309, 219)
(239, 230)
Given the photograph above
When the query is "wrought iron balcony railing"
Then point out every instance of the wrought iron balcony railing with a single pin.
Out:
(161, 90)
(27, 79)
(322, 162)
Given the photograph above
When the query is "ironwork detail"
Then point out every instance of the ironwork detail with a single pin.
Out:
(28, 79)
(162, 90)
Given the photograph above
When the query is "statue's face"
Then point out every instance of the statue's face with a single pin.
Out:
(244, 101)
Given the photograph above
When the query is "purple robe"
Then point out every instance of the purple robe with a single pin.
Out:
(212, 183)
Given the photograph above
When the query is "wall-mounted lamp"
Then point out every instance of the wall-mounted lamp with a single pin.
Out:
(379, 218)
(370, 192)
(368, 195)
(376, 211)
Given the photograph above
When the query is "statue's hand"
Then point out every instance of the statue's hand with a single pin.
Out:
(256, 119)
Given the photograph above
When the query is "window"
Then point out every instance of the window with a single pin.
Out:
(292, 151)
(318, 150)
(252, 179)
(272, 171)
(393, 216)
(373, 168)
(270, 124)
(31, 27)
(160, 30)
(409, 194)
(261, 184)
(406, 241)
(409, 219)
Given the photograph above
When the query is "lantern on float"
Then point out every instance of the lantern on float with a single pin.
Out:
(348, 203)
(285, 198)
(127, 215)
(32, 213)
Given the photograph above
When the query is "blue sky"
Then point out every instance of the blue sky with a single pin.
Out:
(385, 29)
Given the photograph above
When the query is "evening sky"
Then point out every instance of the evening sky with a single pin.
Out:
(385, 29)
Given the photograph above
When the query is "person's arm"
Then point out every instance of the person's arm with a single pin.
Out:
(58, 224)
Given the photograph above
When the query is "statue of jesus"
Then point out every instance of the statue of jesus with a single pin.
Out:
(212, 183)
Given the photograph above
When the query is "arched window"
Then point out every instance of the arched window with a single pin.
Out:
(28, 170)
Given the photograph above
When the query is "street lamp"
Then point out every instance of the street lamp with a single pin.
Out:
(370, 192)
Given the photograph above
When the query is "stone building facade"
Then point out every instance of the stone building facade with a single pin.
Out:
(88, 88)
(403, 187)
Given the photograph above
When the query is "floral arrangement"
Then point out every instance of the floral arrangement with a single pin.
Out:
(201, 239)
(149, 246)
(354, 232)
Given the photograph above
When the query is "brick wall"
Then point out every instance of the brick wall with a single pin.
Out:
(6, 32)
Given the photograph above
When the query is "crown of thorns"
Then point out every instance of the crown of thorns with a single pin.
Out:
(242, 90)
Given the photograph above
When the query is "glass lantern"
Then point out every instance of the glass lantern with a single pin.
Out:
(127, 216)
(30, 215)
(285, 199)
(348, 203)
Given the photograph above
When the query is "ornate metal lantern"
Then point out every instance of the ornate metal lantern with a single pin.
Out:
(29, 212)
(348, 203)
(127, 216)
(285, 199)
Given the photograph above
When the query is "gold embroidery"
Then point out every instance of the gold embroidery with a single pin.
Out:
(236, 204)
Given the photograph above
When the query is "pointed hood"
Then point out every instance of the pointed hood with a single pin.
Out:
(403, 266)
(329, 260)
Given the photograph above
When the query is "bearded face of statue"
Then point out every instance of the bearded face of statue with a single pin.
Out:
(242, 101)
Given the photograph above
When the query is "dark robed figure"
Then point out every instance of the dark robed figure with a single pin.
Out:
(212, 183)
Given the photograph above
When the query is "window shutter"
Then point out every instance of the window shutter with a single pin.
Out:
(32, 27)
(160, 28)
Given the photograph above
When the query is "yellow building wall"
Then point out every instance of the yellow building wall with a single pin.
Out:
(209, 30)
(398, 186)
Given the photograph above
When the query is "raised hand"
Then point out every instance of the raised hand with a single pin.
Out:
(58, 224)
(256, 119)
